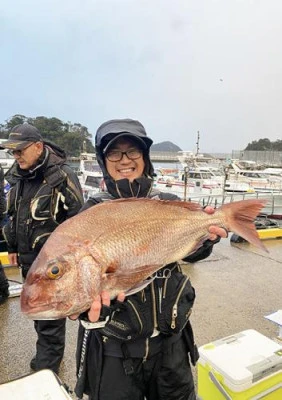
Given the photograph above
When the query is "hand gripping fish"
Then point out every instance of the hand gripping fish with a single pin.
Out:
(116, 245)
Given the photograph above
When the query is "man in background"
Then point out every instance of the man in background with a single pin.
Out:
(44, 192)
(4, 285)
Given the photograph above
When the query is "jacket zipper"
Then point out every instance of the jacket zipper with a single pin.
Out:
(137, 314)
(17, 218)
(160, 299)
(154, 306)
(147, 346)
(174, 308)
(146, 350)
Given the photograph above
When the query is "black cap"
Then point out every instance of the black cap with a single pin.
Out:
(21, 136)
(136, 138)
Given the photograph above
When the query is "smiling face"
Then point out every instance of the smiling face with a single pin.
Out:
(125, 168)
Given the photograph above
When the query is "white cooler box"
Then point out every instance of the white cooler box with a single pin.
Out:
(244, 366)
(41, 385)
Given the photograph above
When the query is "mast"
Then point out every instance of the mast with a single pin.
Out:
(198, 143)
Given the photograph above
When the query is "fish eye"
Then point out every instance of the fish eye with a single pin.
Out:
(55, 271)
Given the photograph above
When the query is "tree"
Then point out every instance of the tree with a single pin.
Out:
(71, 137)
(265, 144)
(15, 120)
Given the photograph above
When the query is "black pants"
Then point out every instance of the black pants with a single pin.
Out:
(4, 285)
(165, 376)
(50, 343)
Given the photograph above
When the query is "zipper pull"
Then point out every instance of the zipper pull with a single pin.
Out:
(174, 315)
(160, 300)
(28, 221)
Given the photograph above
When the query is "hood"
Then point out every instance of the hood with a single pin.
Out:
(106, 134)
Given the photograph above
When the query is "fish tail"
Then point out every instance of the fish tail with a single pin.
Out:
(240, 217)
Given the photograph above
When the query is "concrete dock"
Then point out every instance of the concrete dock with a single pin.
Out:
(236, 287)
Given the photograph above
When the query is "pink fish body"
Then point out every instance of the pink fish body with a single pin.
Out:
(117, 245)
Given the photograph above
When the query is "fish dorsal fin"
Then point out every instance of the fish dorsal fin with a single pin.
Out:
(192, 206)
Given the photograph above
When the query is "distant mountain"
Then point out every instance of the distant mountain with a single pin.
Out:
(165, 146)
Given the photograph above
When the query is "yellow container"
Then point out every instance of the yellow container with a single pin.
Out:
(4, 258)
(271, 233)
(244, 366)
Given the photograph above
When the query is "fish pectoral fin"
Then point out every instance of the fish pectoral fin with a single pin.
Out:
(139, 286)
(134, 279)
(198, 244)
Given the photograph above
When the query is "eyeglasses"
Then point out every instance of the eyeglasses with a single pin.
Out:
(116, 155)
(19, 152)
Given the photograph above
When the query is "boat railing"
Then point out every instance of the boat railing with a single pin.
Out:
(273, 206)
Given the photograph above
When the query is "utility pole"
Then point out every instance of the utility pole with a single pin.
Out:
(198, 143)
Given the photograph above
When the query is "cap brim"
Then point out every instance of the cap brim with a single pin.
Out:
(132, 136)
(14, 144)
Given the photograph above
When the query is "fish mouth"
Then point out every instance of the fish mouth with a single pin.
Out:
(44, 311)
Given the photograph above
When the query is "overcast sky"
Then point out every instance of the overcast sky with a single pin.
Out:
(213, 66)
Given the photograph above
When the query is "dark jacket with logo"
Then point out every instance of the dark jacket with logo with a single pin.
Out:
(38, 201)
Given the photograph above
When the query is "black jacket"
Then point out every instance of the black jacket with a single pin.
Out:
(38, 201)
(139, 316)
(2, 196)
(161, 309)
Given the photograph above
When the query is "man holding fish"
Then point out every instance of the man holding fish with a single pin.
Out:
(115, 266)
(154, 363)
(44, 192)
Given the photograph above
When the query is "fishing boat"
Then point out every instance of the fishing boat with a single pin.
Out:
(198, 180)
(181, 183)
(260, 180)
(228, 185)
(6, 160)
(90, 175)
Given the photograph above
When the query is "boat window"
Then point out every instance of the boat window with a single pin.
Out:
(90, 166)
(93, 181)
(4, 154)
(195, 175)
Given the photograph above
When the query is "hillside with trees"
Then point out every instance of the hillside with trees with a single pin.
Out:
(72, 137)
(165, 146)
(75, 137)
(265, 144)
